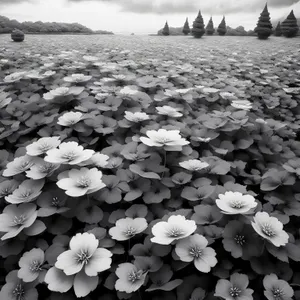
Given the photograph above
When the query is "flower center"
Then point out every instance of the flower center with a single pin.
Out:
(55, 202)
(234, 292)
(268, 230)
(236, 203)
(19, 292)
(25, 165)
(130, 232)
(278, 293)
(240, 239)
(165, 140)
(44, 147)
(134, 276)
(19, 220)
(196, 252)
(175, 232)
(69, 156)
(35, 266)
(46, 168)
(83, 257)
(84, 182)
(26, 193)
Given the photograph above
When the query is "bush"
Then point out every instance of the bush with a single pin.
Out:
(277, 31)
(166, 30)
(186, 28)
(222, 27)
(198, 29)
(210, 30)
(17, 35)
(289, 26)
(264, 25)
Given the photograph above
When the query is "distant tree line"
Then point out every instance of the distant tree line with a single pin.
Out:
(288, 28)
(7, 26)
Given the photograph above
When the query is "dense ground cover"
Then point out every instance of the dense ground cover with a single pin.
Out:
(149, 168)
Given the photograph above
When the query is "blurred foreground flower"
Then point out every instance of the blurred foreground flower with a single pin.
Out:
(277, 289)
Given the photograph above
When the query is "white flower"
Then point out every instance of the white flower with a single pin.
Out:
(77, 78)
(194, 165)
(90, 58)
(4, 99)
(177, 227)
(18, 165)
(270, 228)
(171, 140)
(169, 111)
(81, 182)
(183, 91)
(48, 73)
(41, 169)
(70, 118)
(233, 203)
(127, 90)
(227, 95)
(261, 121)
(68, 153)
(98, 159)
(136, 117)
(14, 77)
(42, 145)
(209, 90)
(127, 228)
(62, 92)
(242, 104)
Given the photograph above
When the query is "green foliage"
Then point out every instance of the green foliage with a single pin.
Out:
(264, 26)
(210, 30)
(17, 35)
(198, 29)
(166, 30)
(222, 27)
(186, 28)
(278, 31)
(289, 26)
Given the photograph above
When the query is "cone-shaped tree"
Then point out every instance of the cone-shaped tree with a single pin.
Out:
(166, 30)
(264, 26)
(186, 28)
(222, 29)
(210, 30)
(289, 26)
(198, 26)
(277, 31)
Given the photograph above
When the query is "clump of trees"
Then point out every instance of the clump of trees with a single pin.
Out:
(277, 31)
(210, 30)
(289, 27)
(264, 26)
(222, 27)
(198, 29)
(186, 27)
(166, 30)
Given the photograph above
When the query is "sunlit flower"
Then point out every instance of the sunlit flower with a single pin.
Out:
(81, 182)
(18, 165)
(68, 153)
(127, 228)
(16, 289)
(170, 140)
(77, 78)
(235, 289)
(31, 265)
(14, 77)
(16, 218)
(7, 187)
(98, 160)
(194, 165)
(130, 278)
(177, 227)
(62, 92)
(242, 104)
(129, 91)
(227, 95)
(43, 145)
(84, 254)
(233, 203)
(270, 228)
(277, 289)
(169, 111)
(41, 169)
(70, 118)
(194, 248)
(136, 117)
(27, 191)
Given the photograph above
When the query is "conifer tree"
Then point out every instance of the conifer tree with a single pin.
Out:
(277, 31)
(222, 29)
(289, 26)
(264, 26)
(210, 30)
(198, 29)
(186, 28)
(166, 30)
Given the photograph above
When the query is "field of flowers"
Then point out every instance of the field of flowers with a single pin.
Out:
(149, 168)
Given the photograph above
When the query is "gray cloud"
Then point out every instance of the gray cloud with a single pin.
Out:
(189, 6)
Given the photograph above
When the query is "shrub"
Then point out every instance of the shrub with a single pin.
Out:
(278, 31)
(264, 25)
(289, 27)
(198, 29)
(17, 35)
(210, 30)
(166, 30)
(186, 28)
(222, 29)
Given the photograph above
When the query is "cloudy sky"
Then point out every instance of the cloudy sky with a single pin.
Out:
(143, 16)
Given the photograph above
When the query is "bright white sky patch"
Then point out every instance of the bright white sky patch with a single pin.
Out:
(119, 18)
